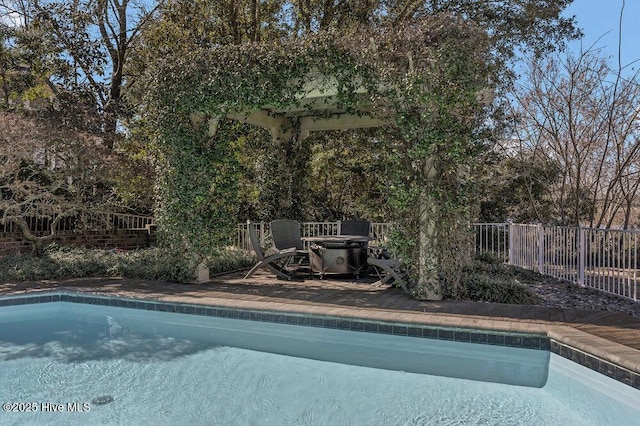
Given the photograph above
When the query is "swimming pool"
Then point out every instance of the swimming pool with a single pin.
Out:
(224, 366)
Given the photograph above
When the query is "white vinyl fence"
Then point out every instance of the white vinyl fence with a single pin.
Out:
(604, 259)
(96, 221)
(379, 232)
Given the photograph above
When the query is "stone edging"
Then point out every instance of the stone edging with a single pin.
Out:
(564, 341)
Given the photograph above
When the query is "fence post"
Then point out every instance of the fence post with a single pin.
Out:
(511, 237)
(635, 266)
(540, 248)
(582, 252)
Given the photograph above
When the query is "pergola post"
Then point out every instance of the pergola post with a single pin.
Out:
(427, 260)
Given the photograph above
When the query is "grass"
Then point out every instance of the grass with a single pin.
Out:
(152, 264)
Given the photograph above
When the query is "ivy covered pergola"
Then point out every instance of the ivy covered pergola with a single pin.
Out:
(423, 81)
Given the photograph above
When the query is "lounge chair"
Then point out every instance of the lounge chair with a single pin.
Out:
(385, 266)
(285, 234)
(275, 262)
(389, 269)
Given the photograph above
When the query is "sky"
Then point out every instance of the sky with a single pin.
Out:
(599, 20)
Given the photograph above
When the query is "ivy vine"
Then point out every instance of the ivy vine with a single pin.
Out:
(422, 78)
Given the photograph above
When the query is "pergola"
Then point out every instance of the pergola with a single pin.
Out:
(424, 79)
(317, 110)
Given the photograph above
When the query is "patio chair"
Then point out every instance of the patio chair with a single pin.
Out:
(285, 234)
(275, 262)
(389, 269)
(355, 227)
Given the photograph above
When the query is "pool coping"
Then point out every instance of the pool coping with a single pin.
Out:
(605, 357)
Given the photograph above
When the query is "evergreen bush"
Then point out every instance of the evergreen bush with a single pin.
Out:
(150, 264)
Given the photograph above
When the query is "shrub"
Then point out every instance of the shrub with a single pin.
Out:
(488, 288)
(488, 257)
(489, 280)
(228, 260)
(151, 264)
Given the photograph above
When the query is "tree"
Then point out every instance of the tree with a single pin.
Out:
(54, 159)
(310, 16)
(11, 80)
(78, 52)
(515, 187)
(349, 176)
(579, 113)
(48, 174)
(86, 45)
(22, 68)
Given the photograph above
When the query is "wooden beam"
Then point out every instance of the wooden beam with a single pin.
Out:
(340, 122)
(260, 118)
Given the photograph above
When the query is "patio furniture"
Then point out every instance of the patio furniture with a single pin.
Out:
(275, 262)
(389, 269)
(338, 254)
(385, 266)
(285, 234)
(355, 227)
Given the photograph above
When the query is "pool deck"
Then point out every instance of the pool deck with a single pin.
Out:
(612, 337)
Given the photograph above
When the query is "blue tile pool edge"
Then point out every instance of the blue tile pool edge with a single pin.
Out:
(518, 340)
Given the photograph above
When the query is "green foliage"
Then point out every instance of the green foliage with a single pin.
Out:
(197, 190)
(488, 288)
(488, 258)
(516, 188)
(437, 122)
(150, 264)
(229, 260)
(423, 78)
(348, 175)
(55, 263)
(487, 279)
(134, 174)
(284, 181)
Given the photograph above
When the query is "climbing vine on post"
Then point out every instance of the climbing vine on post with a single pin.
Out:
(422, 80)
(198, 187)
(436, 115)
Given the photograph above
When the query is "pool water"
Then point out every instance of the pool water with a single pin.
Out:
(139, 367)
